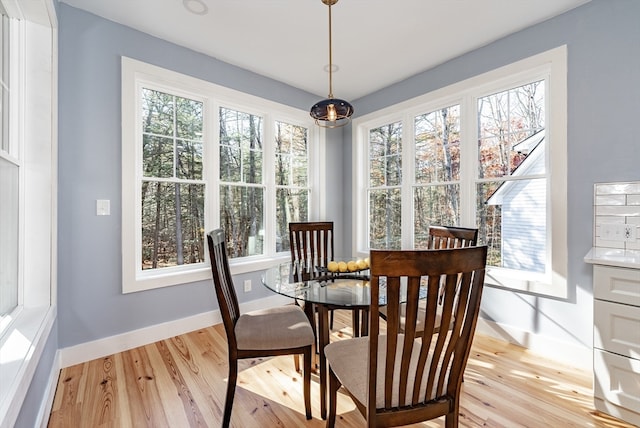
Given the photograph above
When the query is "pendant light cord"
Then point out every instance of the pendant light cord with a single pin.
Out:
(330, 57)
(331, 112)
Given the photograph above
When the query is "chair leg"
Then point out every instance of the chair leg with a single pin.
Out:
(451, 419)
(307, 381)
(296, 362)
(231, 390)
(334, 386)
(365, 322)
(331, 320)
(310, 310)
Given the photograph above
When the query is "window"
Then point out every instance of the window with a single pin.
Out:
(292, 179)
(202, 156)
(511, 180)
(385, 179)
(436, 192)
(9, 185)
(172, 186)
(242, 191)
(27, 197)
(480, 154)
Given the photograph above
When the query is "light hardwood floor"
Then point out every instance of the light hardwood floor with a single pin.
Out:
(181, 382)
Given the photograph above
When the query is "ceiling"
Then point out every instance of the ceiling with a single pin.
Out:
(375, 42)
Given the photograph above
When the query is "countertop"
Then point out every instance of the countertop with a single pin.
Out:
(613, 257)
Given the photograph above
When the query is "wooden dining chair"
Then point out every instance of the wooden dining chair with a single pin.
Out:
(311, 247)
(277, 331)
(311, 243)
(451, 237)
(439, 237)
(395, 378)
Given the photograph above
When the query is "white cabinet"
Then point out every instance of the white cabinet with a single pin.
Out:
(616, 341)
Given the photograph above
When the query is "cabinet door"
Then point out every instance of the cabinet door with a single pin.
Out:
(617, 381)
(616, 284)
(617, 328)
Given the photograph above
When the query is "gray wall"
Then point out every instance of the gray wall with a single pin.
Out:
(91, 304)
(603, 39)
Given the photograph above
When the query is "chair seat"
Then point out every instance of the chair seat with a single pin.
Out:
(422, 313)
(348, 360)
(274, 328)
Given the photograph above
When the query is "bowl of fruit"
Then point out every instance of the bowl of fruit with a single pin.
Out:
(347, 268)
(343, 266)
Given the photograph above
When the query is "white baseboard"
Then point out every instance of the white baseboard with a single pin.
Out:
(132, 339)
(572, 354)
(46, 405)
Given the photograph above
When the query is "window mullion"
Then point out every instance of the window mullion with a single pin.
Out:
(269, 183)
(211, 166)
(408, 180)
(468, 160)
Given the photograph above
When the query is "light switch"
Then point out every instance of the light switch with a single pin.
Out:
(103, 207)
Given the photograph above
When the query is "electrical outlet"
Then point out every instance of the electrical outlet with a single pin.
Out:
(629, 232)
(247, 285)
(618, 232)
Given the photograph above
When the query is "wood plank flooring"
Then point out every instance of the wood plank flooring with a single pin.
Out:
(181, 382)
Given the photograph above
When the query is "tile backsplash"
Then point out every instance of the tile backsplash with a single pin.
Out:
(614, 206)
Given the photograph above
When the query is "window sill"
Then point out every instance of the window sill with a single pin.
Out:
(20, 350)
(203, 273)
(555, 287)
(254, 265)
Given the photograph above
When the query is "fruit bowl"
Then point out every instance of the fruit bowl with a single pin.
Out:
(352, 268)
(343, 266)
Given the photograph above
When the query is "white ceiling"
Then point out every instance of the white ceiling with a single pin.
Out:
(375, 42)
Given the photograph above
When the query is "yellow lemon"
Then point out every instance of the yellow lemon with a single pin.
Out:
(366, 261)
(332, 266)
(342, 266)
(361, 264)
(352, 266)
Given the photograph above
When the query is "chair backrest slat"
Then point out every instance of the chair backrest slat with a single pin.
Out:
(312, 244)
(451, 237)
(419, 370)
(223, 283)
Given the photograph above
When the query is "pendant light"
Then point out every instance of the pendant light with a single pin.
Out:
(331, 112)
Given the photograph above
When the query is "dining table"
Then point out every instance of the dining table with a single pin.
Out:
(321, 291)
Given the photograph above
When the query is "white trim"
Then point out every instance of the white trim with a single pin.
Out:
(28, 338)
(122, 342)
(135, 75)
(46, 405)
(617, 411)
(24, 341)
(564, 352)
(551, 66)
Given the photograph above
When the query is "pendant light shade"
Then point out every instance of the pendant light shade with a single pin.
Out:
(331, 112)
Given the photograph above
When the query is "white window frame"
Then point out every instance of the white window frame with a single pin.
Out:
(137, 74)
(551, 66)
(34, 130)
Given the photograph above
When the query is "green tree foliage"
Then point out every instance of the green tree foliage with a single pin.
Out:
(241, 182)
(172, 191)
(504, 120)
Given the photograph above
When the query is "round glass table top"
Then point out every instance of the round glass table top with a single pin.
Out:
(349, 289)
